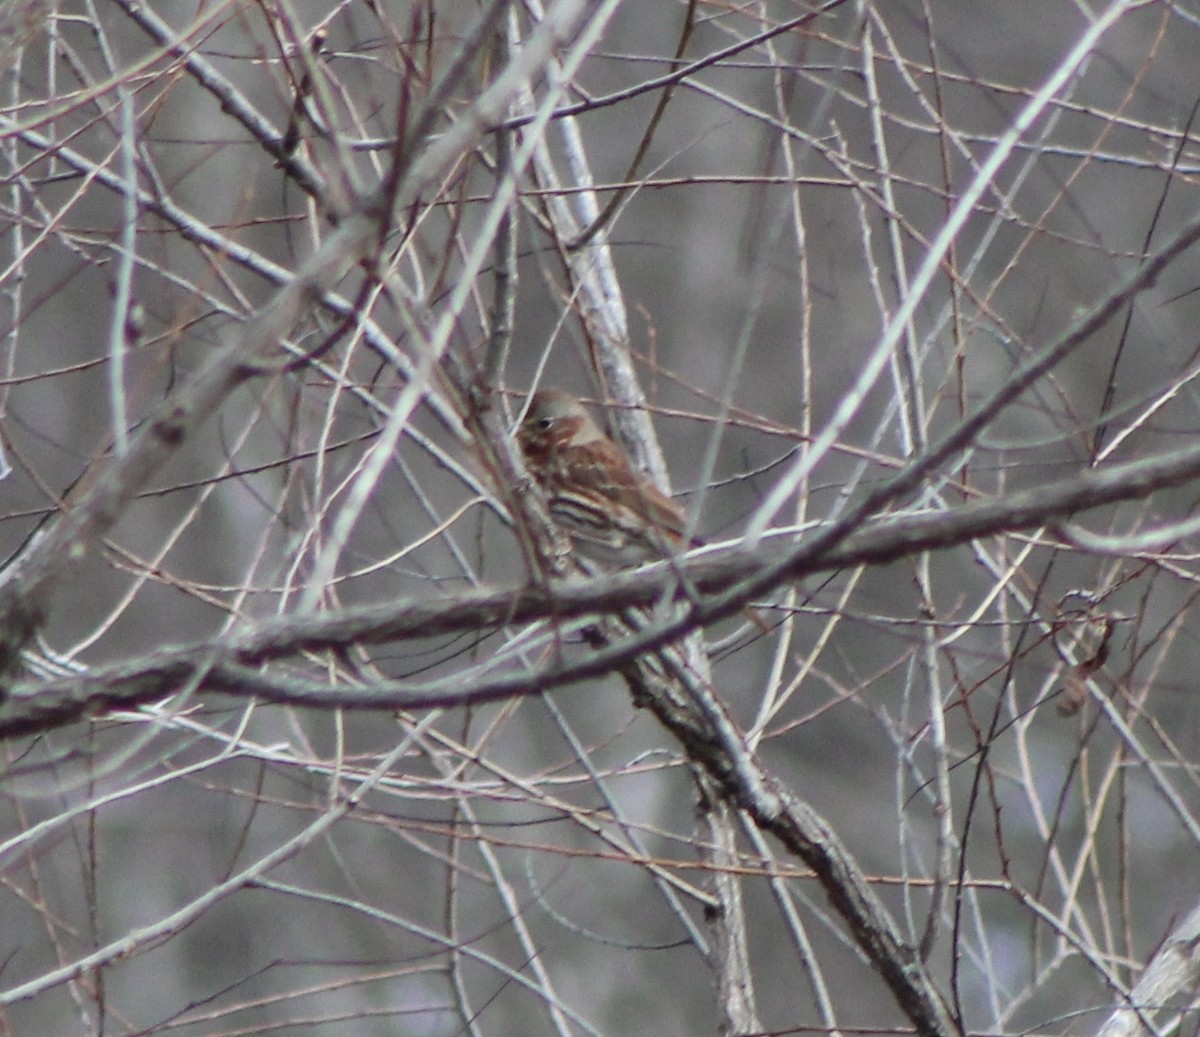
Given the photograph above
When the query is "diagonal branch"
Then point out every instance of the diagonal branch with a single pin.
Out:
(29, 581)
(725, 580)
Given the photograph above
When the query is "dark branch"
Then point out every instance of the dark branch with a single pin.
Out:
(725, 582)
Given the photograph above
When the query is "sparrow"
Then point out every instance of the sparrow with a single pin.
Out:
(615, 516)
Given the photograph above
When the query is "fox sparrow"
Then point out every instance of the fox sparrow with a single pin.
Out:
(615, 515)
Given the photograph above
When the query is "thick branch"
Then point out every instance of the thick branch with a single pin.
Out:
(725, 581)
(1174, 969)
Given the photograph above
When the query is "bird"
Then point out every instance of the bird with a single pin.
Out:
(615, 516)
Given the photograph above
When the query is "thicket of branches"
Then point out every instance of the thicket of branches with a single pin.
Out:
(310, 724)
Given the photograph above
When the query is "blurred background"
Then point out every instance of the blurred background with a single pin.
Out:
(536, 865)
